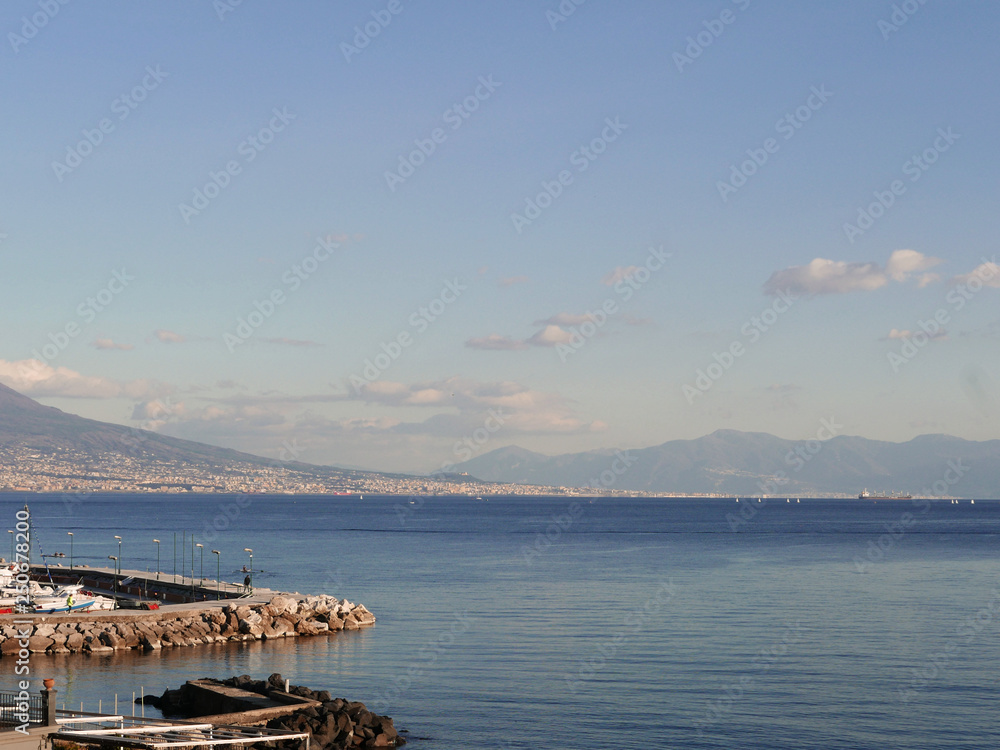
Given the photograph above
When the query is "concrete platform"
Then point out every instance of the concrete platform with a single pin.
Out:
(166, 589)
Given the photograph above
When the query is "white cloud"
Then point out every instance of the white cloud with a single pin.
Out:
(619, 274)
(497, 342)
(904, 263)
(524, 410)
(511, 280)
(927, 279)
(156, 413)
(564, 319)
(823, 276)
(898, 334)
(156, 409)
(634, 321)
(109, 344)
(986, 273)
(33, 377)
(551, 335)
(168, 337)
(282, 341)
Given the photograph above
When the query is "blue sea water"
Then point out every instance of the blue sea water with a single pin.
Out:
(524, 622)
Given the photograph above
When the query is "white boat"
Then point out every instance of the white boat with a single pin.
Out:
(7, 575)
(59, 601)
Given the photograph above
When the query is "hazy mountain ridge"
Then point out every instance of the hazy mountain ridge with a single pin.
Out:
(24, 421)
(739, 463)
(725, 462)
(45, 449)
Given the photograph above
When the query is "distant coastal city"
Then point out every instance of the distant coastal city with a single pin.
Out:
(25, 469)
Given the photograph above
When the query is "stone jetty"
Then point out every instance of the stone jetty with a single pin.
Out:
(284, 616)
(332, 723)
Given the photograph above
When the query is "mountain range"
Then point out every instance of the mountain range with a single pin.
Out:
(725, 462)
(755, 463)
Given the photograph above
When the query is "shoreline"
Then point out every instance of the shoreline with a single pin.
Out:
(284, 616)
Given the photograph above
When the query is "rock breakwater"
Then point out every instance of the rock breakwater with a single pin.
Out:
(102, 632)
(332, 723)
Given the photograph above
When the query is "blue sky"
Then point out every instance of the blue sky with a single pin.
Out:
(592, 211)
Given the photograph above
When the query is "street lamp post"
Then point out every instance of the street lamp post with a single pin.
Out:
(202, 548)
(157, 559)
(70, 550)
(247, 549)
(218, 573)
(119, 552)
(112, 557)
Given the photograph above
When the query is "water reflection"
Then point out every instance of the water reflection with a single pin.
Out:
(321, 662)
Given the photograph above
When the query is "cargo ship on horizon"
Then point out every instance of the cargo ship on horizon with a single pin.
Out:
(866, 495)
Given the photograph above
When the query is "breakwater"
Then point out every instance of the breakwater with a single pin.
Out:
(331, 723)
(284, 616)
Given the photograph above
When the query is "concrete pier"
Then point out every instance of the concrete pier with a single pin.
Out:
(141, 584)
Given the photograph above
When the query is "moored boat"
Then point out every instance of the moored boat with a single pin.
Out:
(70, 599)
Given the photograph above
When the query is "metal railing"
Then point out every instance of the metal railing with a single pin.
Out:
(19, 708)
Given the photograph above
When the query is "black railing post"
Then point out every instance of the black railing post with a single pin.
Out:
(49, 707)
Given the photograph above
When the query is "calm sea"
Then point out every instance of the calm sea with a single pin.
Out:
(537, 623)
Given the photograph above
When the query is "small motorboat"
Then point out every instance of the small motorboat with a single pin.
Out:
(64, 599)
